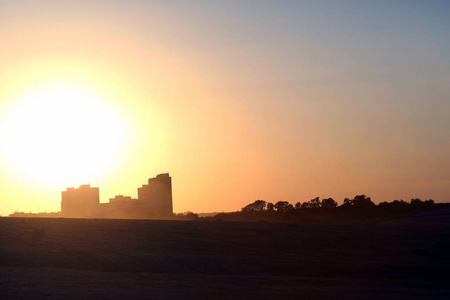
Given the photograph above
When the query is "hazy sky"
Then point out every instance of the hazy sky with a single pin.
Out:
(238, 100)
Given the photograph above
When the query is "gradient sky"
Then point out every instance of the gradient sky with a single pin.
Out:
(238, 100)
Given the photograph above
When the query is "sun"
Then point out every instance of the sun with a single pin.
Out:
(62, 134)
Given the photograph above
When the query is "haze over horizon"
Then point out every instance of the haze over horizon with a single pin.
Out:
(237, 100)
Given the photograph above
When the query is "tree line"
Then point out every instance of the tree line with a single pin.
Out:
(324, 210)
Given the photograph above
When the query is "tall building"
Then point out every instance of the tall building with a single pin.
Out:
(157, 195)
(154, 202)
(81, 202)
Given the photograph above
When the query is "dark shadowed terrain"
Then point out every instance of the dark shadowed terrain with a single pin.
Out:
(401, 258)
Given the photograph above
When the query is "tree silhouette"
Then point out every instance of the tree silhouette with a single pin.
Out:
(283, 206)
(258, 205)
(191, 216)
(347, 202)
(325, 210)
(315, 203)
(328, 203)
(399, 203)
(306, 204)
(362, 201)
(416, 202)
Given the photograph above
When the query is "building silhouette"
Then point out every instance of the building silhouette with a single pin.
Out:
(157, 194)
(83, 201)
(154, 202)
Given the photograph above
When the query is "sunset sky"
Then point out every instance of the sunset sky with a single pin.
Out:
(237, 100)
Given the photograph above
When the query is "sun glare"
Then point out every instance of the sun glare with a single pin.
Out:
(61, 134)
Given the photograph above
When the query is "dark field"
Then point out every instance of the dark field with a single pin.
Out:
(404, 258)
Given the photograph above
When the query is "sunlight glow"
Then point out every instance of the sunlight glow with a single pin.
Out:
(61, 134)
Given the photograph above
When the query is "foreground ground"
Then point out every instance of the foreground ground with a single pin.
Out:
(406, 258)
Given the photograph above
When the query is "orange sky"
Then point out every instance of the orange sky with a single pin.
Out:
(237, 101)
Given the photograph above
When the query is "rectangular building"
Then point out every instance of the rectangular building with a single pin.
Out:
(154, 202)
(81, 202)
(157, 195)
